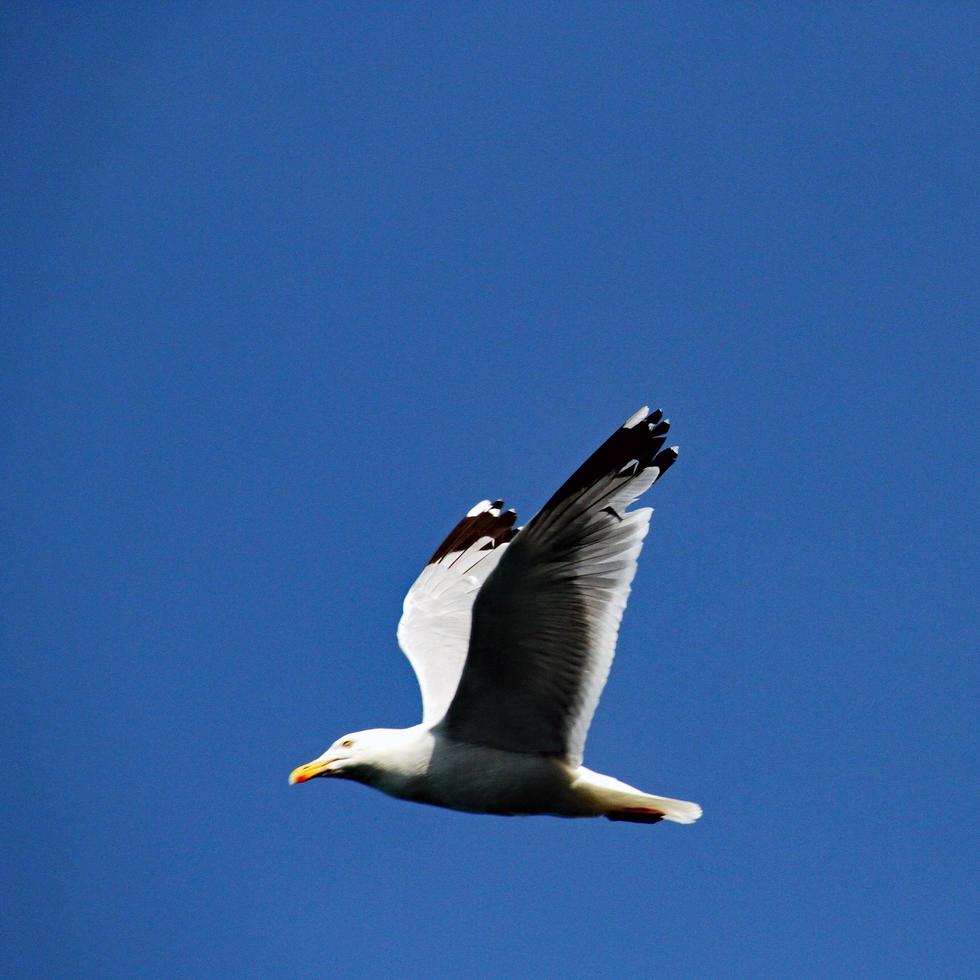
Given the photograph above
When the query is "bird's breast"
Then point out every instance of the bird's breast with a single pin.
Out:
(479, 779)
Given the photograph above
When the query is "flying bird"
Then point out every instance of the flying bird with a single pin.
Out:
(511, 633)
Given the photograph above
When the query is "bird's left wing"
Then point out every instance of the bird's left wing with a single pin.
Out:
(545, 622)
(434, 631)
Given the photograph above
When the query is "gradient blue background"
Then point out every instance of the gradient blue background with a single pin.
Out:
(287, 288)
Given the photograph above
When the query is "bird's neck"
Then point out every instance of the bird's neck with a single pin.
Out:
(397, 769)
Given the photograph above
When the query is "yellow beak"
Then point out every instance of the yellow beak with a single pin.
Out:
(317, 768)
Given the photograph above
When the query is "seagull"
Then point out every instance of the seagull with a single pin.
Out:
(511, 633)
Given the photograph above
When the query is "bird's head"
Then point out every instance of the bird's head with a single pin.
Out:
(353, 756)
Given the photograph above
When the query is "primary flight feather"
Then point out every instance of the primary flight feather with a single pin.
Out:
(511, 633)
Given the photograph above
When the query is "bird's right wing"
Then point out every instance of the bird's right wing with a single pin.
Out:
(434, 631)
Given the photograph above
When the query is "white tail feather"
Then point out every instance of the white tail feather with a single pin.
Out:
(680, 811)
(616, 800)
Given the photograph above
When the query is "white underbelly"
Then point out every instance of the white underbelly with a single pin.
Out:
(483, 780)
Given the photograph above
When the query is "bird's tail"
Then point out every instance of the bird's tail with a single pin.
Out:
(618, 801)
(649, 809)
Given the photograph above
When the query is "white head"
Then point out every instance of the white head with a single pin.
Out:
(360, 756)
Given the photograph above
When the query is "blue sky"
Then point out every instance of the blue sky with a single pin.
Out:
(287, 288)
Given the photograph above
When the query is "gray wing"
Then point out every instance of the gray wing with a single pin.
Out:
(546, 619)
(434, 631)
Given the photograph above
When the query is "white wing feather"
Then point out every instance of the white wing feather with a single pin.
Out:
(434, 631)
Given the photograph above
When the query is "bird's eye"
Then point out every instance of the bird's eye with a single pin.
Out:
(347, 743)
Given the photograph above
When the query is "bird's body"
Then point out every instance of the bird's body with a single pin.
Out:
(511, 632)
(427, 766)
(424, 765)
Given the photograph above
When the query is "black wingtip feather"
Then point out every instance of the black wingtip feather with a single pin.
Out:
(664, 460)
(643, 442)
(499, 527)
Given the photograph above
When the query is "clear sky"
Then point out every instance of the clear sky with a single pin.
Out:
(286, 288)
